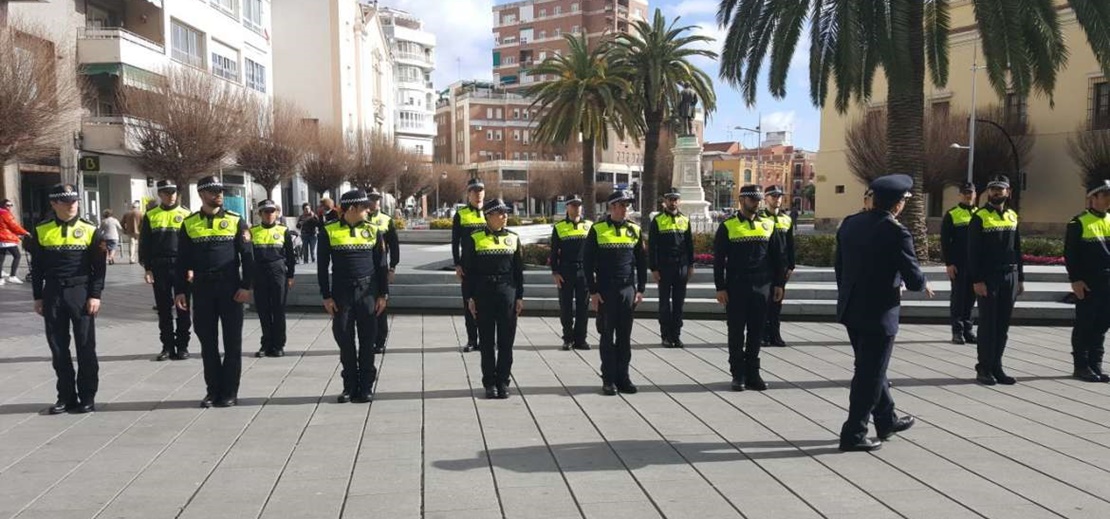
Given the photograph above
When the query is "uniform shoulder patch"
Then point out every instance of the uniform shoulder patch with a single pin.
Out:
(232, 213)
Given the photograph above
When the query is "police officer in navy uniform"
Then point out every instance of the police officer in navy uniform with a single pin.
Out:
(568, 239)
(389, 261)
(874, 258)
(467, 220)
(274, 264)
(356, 292)
(671, 261)
(67, 278)
(1087, 253)
(997, 276)
(216, 262)
(158, 237)
(616, 272)
(493, 283)
(749, 270)
(953, 252)
(772, 333)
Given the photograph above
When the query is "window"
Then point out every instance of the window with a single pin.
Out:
(574, 30)
(525, 137)
(558, 33)
(1016, 109)
(252, 15)
(256, 75)
(840, 189)
(543, 12)
(489, 113)
(497, 135)
(516, 135)
(1100, 106)
(225, 61)
(187, 44)
(747, 176)
(516, 155)
(508, 18)
(499, 114)
(558, 10)
(227, 6)
(543, 34)
(574, 8)
(941, 109)
(419, 149)
(516, 113)
(489, 135)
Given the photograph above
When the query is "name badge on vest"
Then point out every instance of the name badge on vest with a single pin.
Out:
(223, 224)
(509, 241)
(767, 226)
(628, 232)
(178, 219)
(1011, 217)
(277, 236)
(366, 233)
(77, 233)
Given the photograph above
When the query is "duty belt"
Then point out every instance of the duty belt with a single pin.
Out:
(213, 277)
(74, 281)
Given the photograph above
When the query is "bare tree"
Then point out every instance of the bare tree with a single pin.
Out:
(377, 160)
(327, 162)
(414, 177)
(1090, 149)
(276, 146)
(453, 188)
(543, 185)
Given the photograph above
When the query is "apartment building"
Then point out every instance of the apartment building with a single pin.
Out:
(771, 164)
(414, 57)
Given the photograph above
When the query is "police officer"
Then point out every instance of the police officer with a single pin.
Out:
(356, 292)
(467, 220)
(616, 272)
(874, 257)
(1088, 261)
(772, 333)
(953, 252)
(67, 278)
(568, 238)
(274, 263)
(214, 244)
(749, 269)
(997, 276)
(389, 262)
(671, 261)
(158, 237)
(493, 285)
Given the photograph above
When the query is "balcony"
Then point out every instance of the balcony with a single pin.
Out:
(414, 123)
(113, 45)
(108, 135)
(415, 58)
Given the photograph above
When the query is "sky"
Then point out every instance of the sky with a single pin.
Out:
(464, 32)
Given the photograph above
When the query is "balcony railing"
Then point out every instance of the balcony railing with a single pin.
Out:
(116, 33)
(416, 56)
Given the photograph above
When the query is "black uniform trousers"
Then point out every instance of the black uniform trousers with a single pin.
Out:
(1092, 320)
(870, 393)
(960, 301)
(471, 323)
(356, 300)
(994, 318)
(64, 306)
(574, 305)
(173, 338)
(746, 309)
(614, 323)
(215, 311)
(672, 295)
(495, 301)
(270, 292)
(383, 329)
(773, 329)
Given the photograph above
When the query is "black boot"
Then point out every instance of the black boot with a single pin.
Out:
(969, 336)
(1095, 361)
(1002, 378)
(958, 336)
(1086, 374)
(754, 378)
(984, 376)
(740, 377)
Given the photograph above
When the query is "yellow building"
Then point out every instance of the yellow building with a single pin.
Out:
(1053, 191)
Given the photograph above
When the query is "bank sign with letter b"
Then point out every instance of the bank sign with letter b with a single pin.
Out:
(90, 164)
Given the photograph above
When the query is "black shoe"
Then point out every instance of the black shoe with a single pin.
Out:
(677, 343)
(470, 347)
(228, 402)
(970, 338)
(567, 345)
(85, 408)
(1086, 375)
(60, 407)
(627, 388)
(278, 353)
(766, 341)
(582, 346)
(958, 338)
(362, 398)
(608, 389)
(491, 393)
(864, 445)
(778, 342)
(208, 401)
(165, 354)
(379, 349)
(738, 383)
(343, 397)
(901, 424)
(181, 355)
(667, 343)
(1002, 378)
(502, 391)
(754, 380)
(985, 378)
(1102, 377)
(261, 353)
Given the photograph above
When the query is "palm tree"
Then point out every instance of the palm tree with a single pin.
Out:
(659, 55)
(1021, 41)
(586, 98)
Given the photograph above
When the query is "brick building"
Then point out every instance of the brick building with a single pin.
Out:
(793, 168)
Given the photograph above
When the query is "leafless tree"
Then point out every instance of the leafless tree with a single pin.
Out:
(377, 160)
(327, 162)
(276, 146)
(453, 188)
(551, 180)
(1090, 149)
(415, 176)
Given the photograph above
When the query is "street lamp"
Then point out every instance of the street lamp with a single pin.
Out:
(442, 177)
(758, 130)
(975, 67)
(1019, 182)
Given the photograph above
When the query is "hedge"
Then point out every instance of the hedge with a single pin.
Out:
(440, 223)
(536, 254)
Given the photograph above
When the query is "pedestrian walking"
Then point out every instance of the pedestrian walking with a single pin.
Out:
(110, 230)
(132, 229)
(355, 293)
(217, 261)
(11, 234)
(392, 256)
(1087, 255)
(784, 224)
(953, 252)
(274, 266)
(309, 225)
(874, 255)
(467, 220)
(671, 261)
(616, 273)
(568, 238)
(327, 213)
(67, 279)
(159, 238)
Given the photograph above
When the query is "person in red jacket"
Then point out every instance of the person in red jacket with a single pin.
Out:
(10, 235)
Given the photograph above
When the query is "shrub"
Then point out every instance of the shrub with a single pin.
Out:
(1043, 247)
(440, 223)
(540, 220)
(536, 254)
(514, 221)
(815, 250)
(703, 244)
(399, 223)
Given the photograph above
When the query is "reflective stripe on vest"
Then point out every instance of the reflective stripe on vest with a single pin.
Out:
(486, 244)
(163, 220)
(610, 237)
(672, 224)
(65, 237)
(343, 237)
(783, 222)
(573, 231)
(471, 217)
(380, 220)
(222, 228)
(961, 216)
(1095, 228)
(758, 230)
(993, 222)
(272, 238)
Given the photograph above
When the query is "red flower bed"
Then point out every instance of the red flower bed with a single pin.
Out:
(1042, 260)
(703, 259)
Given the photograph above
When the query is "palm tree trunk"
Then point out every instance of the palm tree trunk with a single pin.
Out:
(588, 177)
(906, 105)
(648, 180)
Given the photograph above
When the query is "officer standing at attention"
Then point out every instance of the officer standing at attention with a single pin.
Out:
(568, 238)
(616, 272)
(389, 262)
(356, 293)
(749, 269)
(772, 333)
(214, 245)
(494, 289)
(671, 261)
(1088, 261)
(158, 236)
(997, 276)
(874, 257)
(67, 277)
(953, 252)
(467, 220)
(274, 263)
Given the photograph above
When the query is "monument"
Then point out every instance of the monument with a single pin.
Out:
(687, 158)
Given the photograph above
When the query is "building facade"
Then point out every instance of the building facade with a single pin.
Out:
(414, 61)
(730, 164)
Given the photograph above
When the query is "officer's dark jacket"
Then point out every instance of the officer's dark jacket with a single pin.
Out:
(490, 256)
(670, 242)
(953, 234)
(614, 256)
(785, 224)
(389, 233)
(467, 220)
(568, 240)
(994, 244)
(273, 246)
(357, 252)
(159, 233)
(1087, 247)
(215, 246)
(67, 251)
(874, 258)
(750, 250)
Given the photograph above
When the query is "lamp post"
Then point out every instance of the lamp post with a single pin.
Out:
(1018, 182)
(758, 130)
(975, 67)
(442, 177)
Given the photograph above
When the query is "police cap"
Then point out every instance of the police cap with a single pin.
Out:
(64, 193)
(496, 205)
(752, 191)
(210, 183)
(999, 181)
(1098, 186)
(774, 190)
(574, 199)
(475, 184)
(967, 187)
(166, 186)
(672, 193)
(892, 187)
(352, 197)
(267, 205)
(620, 195)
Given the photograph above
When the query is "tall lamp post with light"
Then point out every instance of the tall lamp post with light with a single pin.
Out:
(442, 177)
(1017, 180)
(758, 131)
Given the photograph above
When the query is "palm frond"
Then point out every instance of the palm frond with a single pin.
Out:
(937, 22)
(1094, 17)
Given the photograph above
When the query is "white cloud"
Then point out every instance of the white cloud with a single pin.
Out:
(693, 8)
(777, 121)
(464, 36)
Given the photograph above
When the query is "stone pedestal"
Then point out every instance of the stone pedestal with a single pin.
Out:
(687, 176)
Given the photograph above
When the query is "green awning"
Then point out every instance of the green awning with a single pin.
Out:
(132, 76)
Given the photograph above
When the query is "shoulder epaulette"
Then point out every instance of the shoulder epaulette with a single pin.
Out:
(232, 213)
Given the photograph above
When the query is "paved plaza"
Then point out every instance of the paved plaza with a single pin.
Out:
(429, 446)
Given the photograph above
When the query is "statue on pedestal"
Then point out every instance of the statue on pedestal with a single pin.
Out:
(687, 103)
